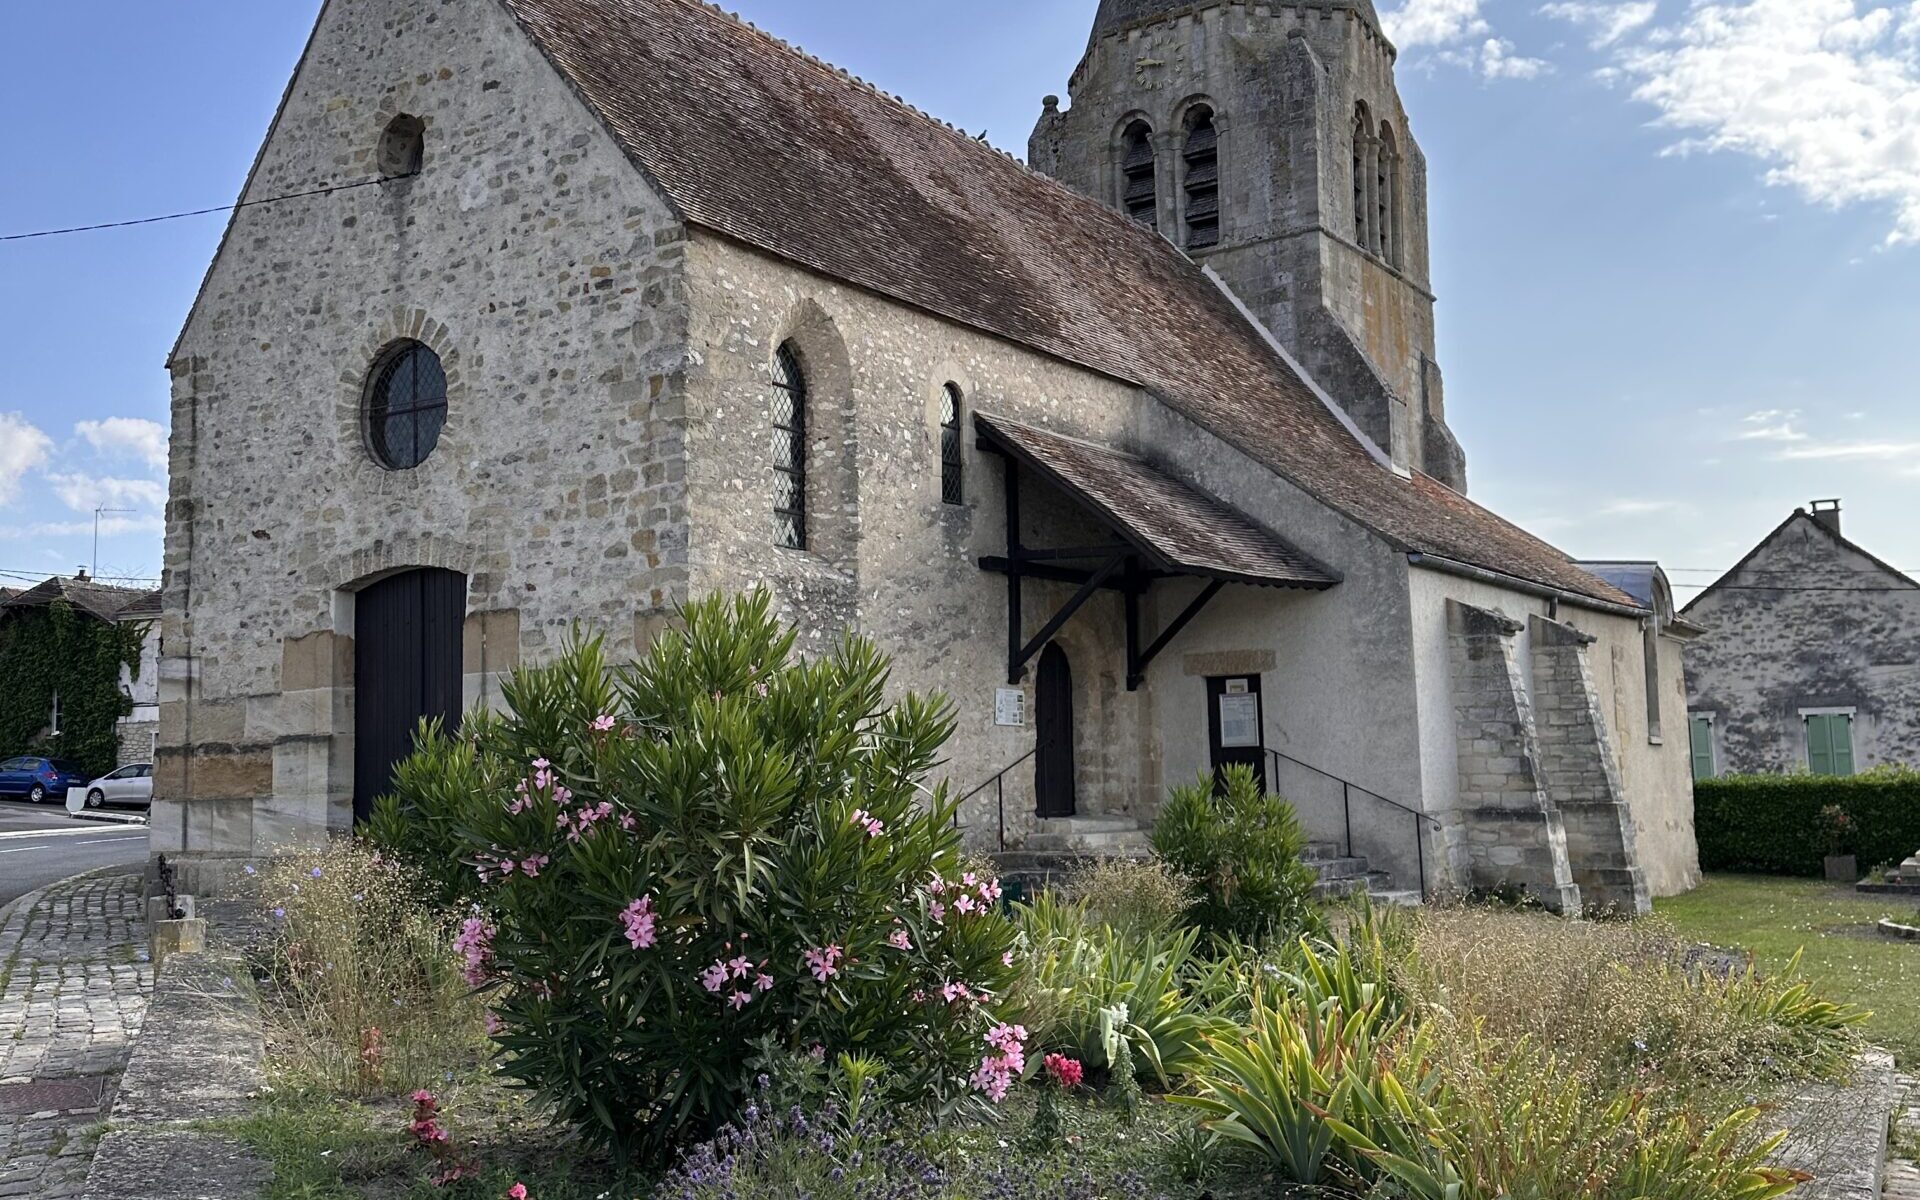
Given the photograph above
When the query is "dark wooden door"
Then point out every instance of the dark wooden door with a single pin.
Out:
(1236, 725)
(406, 665)
(1053, 728)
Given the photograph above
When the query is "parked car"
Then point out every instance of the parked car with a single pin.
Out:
(39, 779)
(131, 785)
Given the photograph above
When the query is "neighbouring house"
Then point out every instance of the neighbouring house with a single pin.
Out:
(1813, 662)
(1144, 464)
(138, 730)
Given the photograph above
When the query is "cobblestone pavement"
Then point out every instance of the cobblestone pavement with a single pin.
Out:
(1903, 1174)
(73, 989)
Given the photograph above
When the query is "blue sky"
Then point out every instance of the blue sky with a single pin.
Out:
(1676, 243)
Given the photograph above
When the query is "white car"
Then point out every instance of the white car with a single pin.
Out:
(130, 785)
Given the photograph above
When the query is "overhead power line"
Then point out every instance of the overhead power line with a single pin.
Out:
(201, 212)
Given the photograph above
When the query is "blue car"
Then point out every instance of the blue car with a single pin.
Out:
(40, 779)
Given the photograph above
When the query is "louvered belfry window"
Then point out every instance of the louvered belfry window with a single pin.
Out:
(1139, 187)
(789, 451)
(1203, 180)
(951, 491)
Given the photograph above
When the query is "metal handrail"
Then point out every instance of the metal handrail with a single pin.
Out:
(999, 785)
(1347, 789)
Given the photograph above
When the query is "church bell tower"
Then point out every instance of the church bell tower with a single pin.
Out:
(1268, 142)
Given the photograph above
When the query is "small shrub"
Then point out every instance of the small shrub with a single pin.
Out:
(1139, 896)
(1242, 849)
(362, 963)
(1088, 985)
(721, 844)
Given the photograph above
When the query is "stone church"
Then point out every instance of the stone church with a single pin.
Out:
(539, 312)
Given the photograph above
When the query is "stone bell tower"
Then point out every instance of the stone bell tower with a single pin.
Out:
(1267, 140)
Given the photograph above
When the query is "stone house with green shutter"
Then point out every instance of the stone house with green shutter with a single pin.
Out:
(1138, 453)
(1811, 659)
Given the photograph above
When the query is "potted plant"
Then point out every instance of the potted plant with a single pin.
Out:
(1837, 828)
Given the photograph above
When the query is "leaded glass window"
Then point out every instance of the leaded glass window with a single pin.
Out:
(951, 467)
(789, 451)
(406, 406)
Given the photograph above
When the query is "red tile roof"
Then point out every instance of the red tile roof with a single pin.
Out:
(760, 143)
(1178, 528)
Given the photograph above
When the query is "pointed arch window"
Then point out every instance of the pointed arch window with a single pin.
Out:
(951, 489)
(789, 450)
(1363, 178)
(1139, 181)
(1202, 160)
(1387, 195)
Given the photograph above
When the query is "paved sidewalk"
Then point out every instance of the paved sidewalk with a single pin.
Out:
(72, 994)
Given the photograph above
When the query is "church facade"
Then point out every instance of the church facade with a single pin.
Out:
(1137, 454)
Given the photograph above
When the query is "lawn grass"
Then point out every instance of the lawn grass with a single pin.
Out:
(1832, 927)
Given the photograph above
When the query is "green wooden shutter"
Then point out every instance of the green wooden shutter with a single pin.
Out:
(1819, 745)
(1702, 733)
(1830, 743)
(1840, 741)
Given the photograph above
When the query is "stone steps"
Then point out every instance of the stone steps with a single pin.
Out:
(1061, 846)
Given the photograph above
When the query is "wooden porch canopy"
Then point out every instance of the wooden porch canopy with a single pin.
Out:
(1161, 529)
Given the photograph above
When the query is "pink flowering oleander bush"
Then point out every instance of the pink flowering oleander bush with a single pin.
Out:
(662, 864)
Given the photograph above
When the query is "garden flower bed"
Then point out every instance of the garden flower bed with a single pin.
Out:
(697, 930)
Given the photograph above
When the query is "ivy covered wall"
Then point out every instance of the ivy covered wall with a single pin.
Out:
(58, 649)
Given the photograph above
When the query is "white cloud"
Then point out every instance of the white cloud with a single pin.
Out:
(1641, 508)
(83, 493)
(128, 436)
(1771, 425)
(109, 526)
(1609, 21)
(1433, 22)
(1498, 61)
(1857, 451)
(1824, 93)
(23, 447)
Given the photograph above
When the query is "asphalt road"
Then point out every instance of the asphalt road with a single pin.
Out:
(41, 844)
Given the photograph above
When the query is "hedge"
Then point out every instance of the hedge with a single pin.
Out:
(1768, 824)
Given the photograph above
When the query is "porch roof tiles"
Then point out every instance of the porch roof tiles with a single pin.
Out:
(1176, 527)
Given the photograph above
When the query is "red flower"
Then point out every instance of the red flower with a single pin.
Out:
(517, 1192)
(1067, 1072)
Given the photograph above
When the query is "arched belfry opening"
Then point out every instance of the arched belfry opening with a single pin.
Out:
(1139, 175)
(1201, 160)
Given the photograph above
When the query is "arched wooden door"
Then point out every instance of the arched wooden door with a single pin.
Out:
(1053, 727)
(406, 665)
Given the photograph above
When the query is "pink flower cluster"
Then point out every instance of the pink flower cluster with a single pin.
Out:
(544, 780)
(578, 824)
(735, 971)
(488, 867)
(823, 962)
(1067, 1072)
(969, 896)
(640, 920)
(475, 942)
(867, 821)
(999, 1069)
(428, 1135)
(899, 939)
(603, 723)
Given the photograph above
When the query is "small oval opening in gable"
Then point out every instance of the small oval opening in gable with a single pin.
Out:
(403, 147)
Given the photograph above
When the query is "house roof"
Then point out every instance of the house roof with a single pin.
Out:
(1801, 515)
(750, 139)
(105, 601)
(1178, 528)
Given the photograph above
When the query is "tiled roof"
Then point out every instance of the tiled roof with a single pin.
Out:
(105, 601)
(757, 142)
(1177, 527)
